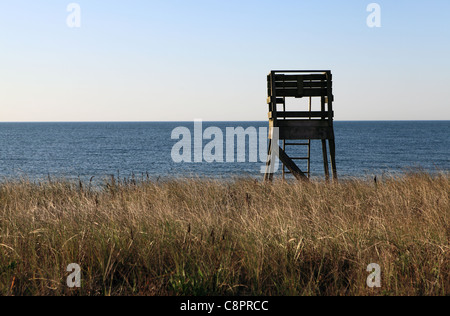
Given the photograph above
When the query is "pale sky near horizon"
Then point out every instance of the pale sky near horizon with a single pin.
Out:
(167, 60)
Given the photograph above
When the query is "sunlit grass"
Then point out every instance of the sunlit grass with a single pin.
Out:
(206, 237)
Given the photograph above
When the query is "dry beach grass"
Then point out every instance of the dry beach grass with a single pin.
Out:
(243, 237)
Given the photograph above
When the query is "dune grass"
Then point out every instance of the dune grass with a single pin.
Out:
(243, 237)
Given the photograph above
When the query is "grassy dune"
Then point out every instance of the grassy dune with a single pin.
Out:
(205, 237)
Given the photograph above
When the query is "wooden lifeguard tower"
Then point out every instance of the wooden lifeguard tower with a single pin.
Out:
(298, 128)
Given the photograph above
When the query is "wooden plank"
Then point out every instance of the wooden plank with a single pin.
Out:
(292, 133)
(305, 114)
(301, 123)
(269, 86)
(306, 131)
(300, 71)
(306, 92)
(273, 105)
(325, 159)
(306, 84)
(268, 176)
(291, 130)
(332, 146)
(292, 167)
(297, 144)
(300, 77)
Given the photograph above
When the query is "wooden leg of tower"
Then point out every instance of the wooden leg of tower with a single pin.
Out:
(333, 157)
(268, 176)
(325, 159)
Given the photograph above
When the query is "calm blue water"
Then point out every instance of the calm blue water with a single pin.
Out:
(83, 150)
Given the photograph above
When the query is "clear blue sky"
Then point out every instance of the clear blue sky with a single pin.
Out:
(147, 60)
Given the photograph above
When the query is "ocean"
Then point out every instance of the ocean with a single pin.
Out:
(86, 151)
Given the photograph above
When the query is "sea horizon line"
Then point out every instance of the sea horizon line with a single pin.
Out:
(207, 121)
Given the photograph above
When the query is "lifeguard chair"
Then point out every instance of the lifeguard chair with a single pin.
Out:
(299, 128)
